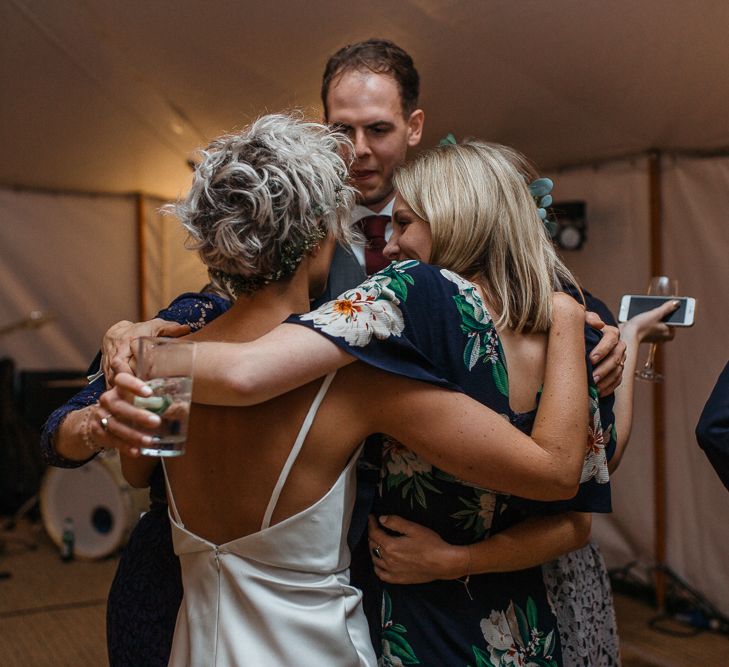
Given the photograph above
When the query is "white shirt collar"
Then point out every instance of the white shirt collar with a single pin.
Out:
(360, 211)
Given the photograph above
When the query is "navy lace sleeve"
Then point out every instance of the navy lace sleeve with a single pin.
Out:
(430, 324)
(195, 309)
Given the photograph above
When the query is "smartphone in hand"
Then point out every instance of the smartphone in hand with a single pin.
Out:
(635, 304)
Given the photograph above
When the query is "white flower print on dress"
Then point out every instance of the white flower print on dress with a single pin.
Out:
(516, 642)
(498, 636)
(371, 309)
(487, 502)
(402, 461)
(387, 659)
(595, 464)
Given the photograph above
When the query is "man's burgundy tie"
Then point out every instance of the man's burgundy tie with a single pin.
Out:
(373, 227)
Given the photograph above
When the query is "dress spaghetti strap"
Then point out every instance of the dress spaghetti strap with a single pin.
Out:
(171, 497)
(299, 442)
(283, 476)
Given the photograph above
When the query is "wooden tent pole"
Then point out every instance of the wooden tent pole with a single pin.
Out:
(659, 392)
(141, 258)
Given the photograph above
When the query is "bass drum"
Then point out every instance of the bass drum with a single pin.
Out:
(103, 507)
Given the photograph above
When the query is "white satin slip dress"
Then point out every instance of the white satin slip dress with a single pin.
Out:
(280, 596)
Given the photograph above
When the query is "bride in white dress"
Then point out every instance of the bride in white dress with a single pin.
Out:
(261, 501)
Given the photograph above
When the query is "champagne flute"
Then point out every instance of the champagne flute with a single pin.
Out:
(658, 286)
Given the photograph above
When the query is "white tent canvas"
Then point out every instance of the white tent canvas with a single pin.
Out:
(112, 98)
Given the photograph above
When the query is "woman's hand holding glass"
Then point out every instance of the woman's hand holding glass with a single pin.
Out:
(129, 424)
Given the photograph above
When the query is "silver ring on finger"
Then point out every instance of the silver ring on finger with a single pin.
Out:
(377, 551)
(104, 421)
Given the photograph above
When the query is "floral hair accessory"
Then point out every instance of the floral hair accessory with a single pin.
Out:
(290, 255)
(540, 189)
(449, 139)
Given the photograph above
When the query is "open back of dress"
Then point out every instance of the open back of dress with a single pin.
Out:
(277, 597)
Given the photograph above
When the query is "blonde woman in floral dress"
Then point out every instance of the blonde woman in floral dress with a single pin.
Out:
(434, 325)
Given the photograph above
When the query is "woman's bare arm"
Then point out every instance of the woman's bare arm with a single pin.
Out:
(474, 443)
(449, 429)
(644, 327)
(81, 434)
(137, 470)
(288, 357)
(419, 555)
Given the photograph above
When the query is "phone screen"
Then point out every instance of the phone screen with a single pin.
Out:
(640, 304)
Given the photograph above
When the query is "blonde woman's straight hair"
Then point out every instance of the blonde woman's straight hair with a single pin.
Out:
(485, 227)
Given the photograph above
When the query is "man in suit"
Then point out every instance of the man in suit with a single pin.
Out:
(370, 92)
(712, 431)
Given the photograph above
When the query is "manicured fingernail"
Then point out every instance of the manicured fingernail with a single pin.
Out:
(596, 378)
(146, 390)
(147, 440)
(154, 420)
(676, 304)
(383, 519)
(134, 451)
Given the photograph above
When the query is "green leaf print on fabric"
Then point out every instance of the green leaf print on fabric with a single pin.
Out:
(396, 649)
(399, 277)
(514, 638)
(482, 340)
(478, 514)
(531, 612)
(416, 488)
(501, 379)
(404, 469)
(482, 658)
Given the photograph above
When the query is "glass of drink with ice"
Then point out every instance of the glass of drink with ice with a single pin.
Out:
(165, 364)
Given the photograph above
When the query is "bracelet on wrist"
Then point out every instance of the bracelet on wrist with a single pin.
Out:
(467, 579)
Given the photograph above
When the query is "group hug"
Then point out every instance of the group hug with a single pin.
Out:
(405, 411)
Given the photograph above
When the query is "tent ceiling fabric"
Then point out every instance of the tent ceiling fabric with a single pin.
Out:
(101, 95)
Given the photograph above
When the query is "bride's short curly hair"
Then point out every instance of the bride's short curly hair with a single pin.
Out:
(261, 191)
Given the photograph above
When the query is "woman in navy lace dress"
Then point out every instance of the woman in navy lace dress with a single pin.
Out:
(147, 588)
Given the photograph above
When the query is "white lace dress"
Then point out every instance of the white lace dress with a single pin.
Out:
(579, 590)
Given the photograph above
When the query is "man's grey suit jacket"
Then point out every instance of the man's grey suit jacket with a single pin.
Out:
(344, 274)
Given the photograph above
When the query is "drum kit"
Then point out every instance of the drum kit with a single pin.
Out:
(102, 507)
(94, 499)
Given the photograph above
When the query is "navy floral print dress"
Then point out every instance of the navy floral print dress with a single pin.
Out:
(430, 324)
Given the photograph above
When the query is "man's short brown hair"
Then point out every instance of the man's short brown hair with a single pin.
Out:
(380, 56)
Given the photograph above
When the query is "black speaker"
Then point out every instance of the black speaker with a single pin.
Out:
(571, 232)
(22, 415)
(41, 392)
